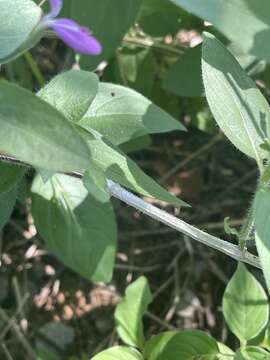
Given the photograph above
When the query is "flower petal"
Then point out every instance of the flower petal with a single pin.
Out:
(77, 37)
(56, 7)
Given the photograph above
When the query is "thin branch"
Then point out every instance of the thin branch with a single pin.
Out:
(6, 352)
(162, 216)
(150, 43)
(18, 333)
(13, 318)
(179, 225)
(188, 159)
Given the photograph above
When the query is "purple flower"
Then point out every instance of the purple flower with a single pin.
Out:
(75, 36)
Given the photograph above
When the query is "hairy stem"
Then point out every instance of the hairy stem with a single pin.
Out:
(162, 216)
(246, 229)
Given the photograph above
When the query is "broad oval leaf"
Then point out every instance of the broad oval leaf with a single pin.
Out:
(245, 305)
(71, 93)
(121, 114)
(7, 203)
(119, 353)
(10, 175)
(35, 132)
(252, 353)
(130, 311)
(184, 345)
(121, 169)
(238, 106)
(262, 230)
(250, 29)
(80, 230)
(18, 19)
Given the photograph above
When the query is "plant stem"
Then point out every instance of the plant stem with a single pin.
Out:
(162, 216)
(34, 68)
(149, 43)
(246, 229)
(223, 246)
(265, 178)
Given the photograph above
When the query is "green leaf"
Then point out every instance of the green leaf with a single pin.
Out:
(109, 21)
(119, 353)
(251, 29)
(133, 67)
(266, 338)
(19, 72)
(7, 203)
(184, 345)
(249, 62)
(262, 230)
(46, 355)
(200, 115)
(96, 184)
(225, 353)
(80, 230)
(10, 175)
(238, 106)
(121, 169)
(137, 144)
(71, 93)
(263, 339)
(18, 19)
(245, 305)
(130, 311)
(184, 78)
(121, 114)
(35, 132)
(229, 229)
(252, 353)
(159, 18)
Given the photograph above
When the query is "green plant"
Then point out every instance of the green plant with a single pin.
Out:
(75, 131)
(245, 308)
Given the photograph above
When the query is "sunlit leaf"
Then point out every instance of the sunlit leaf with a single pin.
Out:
(119, 353)
(185, 345)
(121, 169)
(71, 93)
(238, 106)
(245, 305)
(121, 114)
(18, 19)
(35, 132)
(130, 311)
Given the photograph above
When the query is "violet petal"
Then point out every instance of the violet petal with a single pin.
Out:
(77, 37)
(56, 7)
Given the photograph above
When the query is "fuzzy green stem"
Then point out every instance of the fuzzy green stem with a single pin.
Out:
(246, 228)
(34, 68)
